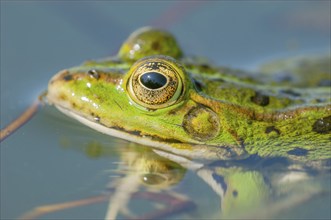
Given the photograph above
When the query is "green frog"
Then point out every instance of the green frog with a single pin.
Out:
(152, 94)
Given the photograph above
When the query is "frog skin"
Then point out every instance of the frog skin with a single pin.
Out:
(151, 94)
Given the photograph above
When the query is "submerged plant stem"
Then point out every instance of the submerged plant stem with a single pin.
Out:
(46, 209)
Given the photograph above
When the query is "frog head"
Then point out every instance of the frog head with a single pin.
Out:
(150, 94)
(149, 101)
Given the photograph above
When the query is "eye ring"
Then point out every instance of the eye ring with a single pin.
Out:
(156, 82)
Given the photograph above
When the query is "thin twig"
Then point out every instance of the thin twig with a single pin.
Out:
(21, 120)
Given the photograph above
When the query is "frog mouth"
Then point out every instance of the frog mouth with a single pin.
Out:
(189, 150)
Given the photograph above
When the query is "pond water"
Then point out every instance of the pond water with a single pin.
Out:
(54, 159)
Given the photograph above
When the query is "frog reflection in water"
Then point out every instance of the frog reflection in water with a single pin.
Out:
(153, 95)
(243, 191)
(145, 167)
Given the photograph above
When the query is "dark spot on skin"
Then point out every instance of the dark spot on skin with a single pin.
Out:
(96, 118)
(291, 92)
(322, 125)
(205, 67)
(324, 82)
(67, 77)
(173, 112)
(298, 152)
(260, 99)
(198, 85)
(220, 180)
(93, 74)
(235, 193)
(319, 100)
(271, 129)
(155, 45)
(63, 97)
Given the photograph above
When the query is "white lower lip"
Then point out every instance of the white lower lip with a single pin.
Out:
(194, 153)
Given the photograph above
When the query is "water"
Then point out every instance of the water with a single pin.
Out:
(46, 161)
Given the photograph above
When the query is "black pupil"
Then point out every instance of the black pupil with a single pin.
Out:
(153, 80)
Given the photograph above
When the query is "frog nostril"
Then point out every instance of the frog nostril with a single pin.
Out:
(67, 77)
(93, 74)
(62, 75)
(260, 99)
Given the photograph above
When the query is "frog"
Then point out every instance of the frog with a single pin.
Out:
(152, 94)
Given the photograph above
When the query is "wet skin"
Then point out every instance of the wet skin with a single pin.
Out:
(151, 94)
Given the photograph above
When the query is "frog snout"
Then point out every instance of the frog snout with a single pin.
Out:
(59, 76)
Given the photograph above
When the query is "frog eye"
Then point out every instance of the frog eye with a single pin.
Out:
(156, 82)
(153, 80)
(162, 179)
(149, 41)
(153, 179)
